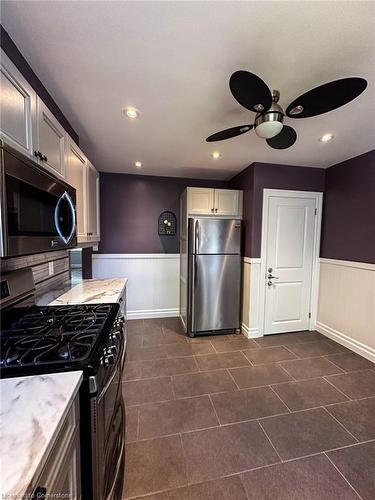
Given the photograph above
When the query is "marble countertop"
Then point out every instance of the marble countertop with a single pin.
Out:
(93, 292)
(32, 412)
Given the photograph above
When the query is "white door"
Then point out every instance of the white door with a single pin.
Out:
(227, 202)
(289, 253)
(200, 201)
(51, 140)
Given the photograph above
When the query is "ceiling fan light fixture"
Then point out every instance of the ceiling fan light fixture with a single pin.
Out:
(269, 124)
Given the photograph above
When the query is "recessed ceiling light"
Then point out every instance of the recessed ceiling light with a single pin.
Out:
(326, 138)
(131, 113)
(216, 155)
(138, 164)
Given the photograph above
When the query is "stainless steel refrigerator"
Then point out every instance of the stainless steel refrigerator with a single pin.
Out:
(214, 275)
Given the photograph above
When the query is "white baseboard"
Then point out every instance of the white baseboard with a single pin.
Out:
(250, 333)
(361, 349)
(153, 313)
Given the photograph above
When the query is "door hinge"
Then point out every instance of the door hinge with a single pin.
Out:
(316, 211)
(309, 315)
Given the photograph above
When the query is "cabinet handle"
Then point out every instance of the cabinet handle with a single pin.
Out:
(216, 210)
(212, 210)
(36, 153)
(44, 158)
(39, 493)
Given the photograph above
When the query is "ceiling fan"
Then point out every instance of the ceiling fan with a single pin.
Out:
(253, 94)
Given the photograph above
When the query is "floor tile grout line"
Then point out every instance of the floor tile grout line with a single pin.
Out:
(184, 459)
(231, 376)
(283, 402)
(269, 439)
(333, 385)
(286, 371)
(213, 407)
(342, 425)
(342, 475)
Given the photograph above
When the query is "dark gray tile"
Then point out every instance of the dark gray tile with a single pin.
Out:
(357, 464)
(308, 394)
(186, 349)
(302, 369)
(195, 384)
(269, 355)
(177, 416)
(350, 361)
(310, 349)
(239, 343)
(131, 433)
(356, 385)
(132, 370)
(305, 433)
(276, 340)
(309, 336)
(247, 404)
(256, 376)
(357, 416)
(141, 353)
(226, 450)
(222, 360)
(147, 391)
(227, 488)
(154, 465)
(165, 367)
(312, 478)
(155, 339)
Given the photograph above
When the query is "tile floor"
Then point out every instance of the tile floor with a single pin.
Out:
(286, 417)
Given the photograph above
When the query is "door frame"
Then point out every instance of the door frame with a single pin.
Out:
(318, 197)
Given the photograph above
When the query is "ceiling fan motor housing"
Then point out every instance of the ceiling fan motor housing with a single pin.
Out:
(269, 123)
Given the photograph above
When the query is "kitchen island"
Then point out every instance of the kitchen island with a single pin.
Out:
(34, 410)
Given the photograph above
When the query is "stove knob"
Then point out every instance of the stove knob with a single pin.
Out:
(109, 359)
(112, 350)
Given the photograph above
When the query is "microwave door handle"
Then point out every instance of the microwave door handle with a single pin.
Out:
(73, 212)
(196, 236)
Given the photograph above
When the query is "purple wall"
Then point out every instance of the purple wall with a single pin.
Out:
(129, 209)
(259, 176)
(24, 68)
(349, 210)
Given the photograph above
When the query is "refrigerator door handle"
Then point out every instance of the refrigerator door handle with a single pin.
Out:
(196, 237)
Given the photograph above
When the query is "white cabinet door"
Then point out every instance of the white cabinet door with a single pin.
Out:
(93, 203)
(51, 141)
(17, 108)
(200, 201)
(76, 176)
(227, 202)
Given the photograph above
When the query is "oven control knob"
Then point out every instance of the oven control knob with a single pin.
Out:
(112, 350)
(109, 359)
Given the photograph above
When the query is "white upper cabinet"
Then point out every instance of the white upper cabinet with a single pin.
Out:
(93, 222)
(76, 176)
(51, 140)
(214, 202)
(227, 202)
(17, 108)
(200, 201)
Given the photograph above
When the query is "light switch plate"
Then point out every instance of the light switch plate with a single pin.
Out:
(51, 269)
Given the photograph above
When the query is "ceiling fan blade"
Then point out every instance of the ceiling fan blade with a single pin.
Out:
(228, 133)
(250, 91)
(286, 138)
(326, 97)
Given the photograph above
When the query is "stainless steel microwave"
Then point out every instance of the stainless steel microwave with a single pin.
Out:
(37, 210)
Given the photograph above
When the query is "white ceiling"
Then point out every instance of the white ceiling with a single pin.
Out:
(173, 60)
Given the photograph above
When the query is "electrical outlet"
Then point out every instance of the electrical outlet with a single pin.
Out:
(51, 269)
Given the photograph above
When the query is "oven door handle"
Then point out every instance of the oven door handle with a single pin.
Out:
(65, 196)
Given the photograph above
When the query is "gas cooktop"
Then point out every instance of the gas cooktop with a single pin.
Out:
(53, 335)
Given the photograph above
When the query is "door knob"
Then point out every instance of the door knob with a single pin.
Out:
(270, 277)
(269, 283)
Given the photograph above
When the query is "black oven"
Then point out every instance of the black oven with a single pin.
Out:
(37, 209)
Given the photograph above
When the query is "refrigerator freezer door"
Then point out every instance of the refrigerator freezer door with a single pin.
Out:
(214, 292)
(214, 236)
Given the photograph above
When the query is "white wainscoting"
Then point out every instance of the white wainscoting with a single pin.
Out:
(153, 287)
(346, 311)
(251, 297)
